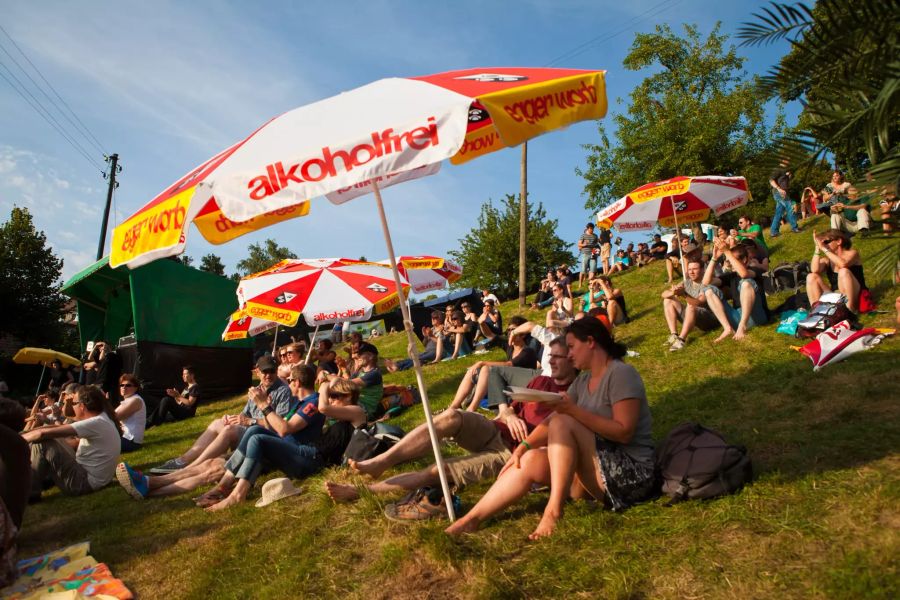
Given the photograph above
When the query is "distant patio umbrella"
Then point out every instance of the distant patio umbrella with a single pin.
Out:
(427, 273)
(43, 356)
(665, 203)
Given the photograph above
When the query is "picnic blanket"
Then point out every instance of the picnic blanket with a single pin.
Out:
(68, 573)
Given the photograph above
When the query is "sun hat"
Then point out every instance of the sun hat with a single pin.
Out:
(276, 489)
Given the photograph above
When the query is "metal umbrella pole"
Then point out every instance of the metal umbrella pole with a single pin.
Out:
(411, 349)
(678, 242)
(311, 342)
(41, 379)
(275, 339)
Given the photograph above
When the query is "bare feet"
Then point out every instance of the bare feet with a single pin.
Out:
(466, 524)
(725, 334)
(228, 502)
(740, 334)
(365, 467)
(545, 527)
(341, 492)
(213, 496)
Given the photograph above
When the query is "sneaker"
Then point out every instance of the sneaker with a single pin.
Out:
(774, 235)
(677, 345)
(480, 351)
(795, 230)
(135, 483)
(170, 466)
(420, 505)
(671, 339)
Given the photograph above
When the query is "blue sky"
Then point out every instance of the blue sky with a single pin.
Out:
(168, 84)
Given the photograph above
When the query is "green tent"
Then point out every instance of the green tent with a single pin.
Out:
(162, 316)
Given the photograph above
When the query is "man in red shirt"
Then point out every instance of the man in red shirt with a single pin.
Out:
(489, 442)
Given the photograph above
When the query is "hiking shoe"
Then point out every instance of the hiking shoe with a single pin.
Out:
(669, 340)
(170, 466)
(135, 483)
(420, 505)
(677, 345)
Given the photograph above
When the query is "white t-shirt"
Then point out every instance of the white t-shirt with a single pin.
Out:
(98, 448)
(133, 426)
(544, 336)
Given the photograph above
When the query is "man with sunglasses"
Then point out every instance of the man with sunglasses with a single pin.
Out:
(490, 442)
(225, 432)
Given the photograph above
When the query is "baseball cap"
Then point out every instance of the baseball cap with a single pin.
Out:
(266, 363)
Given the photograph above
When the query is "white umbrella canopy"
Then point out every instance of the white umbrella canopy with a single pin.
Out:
(427, 273)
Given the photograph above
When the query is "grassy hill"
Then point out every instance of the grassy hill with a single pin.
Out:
(821, 520)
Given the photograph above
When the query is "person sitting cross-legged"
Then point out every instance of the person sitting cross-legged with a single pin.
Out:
(597, 444)
(736, 322)
(835, 265)
(488, 441)
(694, 312)
(225, 432)
(609, 300)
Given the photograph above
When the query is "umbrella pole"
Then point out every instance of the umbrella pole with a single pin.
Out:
(40, 380)
(678, 242)
(275, 339)
(311, 342)
(408, 326)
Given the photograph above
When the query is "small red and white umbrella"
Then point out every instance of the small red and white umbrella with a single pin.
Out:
(673, 201)
(324, 290)
(427, 273)
(243, 325)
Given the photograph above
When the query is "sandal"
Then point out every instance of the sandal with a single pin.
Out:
(213, 496)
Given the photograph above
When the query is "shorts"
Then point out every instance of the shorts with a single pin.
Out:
(479, 436)
(703, 318)
(605, 250)
(757, 313)
(626, 480)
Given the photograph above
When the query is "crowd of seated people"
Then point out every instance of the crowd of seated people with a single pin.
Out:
(301, 416)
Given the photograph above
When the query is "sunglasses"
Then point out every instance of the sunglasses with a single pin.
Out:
(283, 354)
(127, 385)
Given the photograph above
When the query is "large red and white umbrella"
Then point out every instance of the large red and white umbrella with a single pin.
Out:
(673, 201)
(360, 141)
(427, 273)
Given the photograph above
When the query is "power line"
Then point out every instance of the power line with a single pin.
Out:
(605, 37)
(38, 108)
(83, 128)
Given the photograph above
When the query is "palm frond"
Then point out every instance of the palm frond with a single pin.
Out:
(776, 23)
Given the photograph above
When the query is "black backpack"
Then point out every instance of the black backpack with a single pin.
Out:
(786, 277)
(372, 440)
(694, 462)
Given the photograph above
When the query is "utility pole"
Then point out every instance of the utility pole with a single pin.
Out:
(114, 169)
(523, 217)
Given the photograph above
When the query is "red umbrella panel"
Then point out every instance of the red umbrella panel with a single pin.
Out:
(680, 199)
(427, 273)
(323, 291)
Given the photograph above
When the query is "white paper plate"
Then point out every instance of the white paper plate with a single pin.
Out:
(528, 395)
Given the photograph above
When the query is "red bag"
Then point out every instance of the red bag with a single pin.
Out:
(866, 304)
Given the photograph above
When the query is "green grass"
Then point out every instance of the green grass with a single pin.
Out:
(821, 520)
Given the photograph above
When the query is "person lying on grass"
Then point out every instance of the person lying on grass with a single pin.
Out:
(489, 441)
(336, 400)
(518, 354)
(736, 322)
(90, 463)
(835, 265)
(225, 432)
(694, 312)
(597, 444)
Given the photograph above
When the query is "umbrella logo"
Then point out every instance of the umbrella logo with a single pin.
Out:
(477, 114)
(493, 77)
(284, 297)
(376, 287)
(680, 206)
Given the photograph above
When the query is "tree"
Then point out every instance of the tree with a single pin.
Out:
(489, 254)
(30, 301)
(695, 115)
(262, 256)
(212, 264)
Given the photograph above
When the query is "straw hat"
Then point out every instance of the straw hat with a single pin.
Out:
(276, 489)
